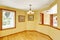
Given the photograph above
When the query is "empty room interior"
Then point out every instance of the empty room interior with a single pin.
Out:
(29, 19)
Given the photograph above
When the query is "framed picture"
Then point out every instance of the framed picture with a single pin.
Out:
(21, 18)
(8, 19)
(30, 17)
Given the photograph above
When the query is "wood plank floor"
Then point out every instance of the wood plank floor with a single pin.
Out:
(27, 35)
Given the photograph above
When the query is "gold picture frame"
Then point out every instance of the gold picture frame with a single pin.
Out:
(30, 17)
(21, 18)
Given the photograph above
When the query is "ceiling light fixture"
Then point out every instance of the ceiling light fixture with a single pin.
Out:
(30, 10)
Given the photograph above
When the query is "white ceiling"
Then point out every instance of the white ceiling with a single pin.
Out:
(52, 10)
(24, 4)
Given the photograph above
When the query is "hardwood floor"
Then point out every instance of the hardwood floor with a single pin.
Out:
(27, 35)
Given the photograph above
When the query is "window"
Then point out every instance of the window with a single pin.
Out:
(49, 17)
(7, 19)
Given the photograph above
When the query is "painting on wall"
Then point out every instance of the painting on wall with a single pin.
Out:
(8, 19)
(30, 17)
(21, 18)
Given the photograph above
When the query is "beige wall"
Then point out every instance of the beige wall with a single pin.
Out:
(20, 26)
(58, 15)
(31, 24)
